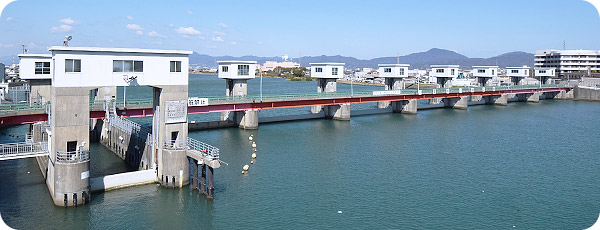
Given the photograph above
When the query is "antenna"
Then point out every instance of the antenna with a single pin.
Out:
(398, 59)
(564, 44)
(24, 50)
(66, 41)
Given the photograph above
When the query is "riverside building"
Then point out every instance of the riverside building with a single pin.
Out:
(570, 64)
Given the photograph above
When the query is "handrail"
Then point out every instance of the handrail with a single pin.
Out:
(72, 156)
(192, 144)
(275, 97)
(23, 148)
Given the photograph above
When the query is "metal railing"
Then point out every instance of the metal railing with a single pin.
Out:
(193, 144)
(23, 149)
(98, 105)
(73, 156)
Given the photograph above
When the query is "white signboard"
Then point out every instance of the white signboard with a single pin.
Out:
(175, 112)
(388, 92)
(196, 101)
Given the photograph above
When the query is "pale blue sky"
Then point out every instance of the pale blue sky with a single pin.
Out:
(362, 29)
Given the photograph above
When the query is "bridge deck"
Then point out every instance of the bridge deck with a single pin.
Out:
(140, 108)
(20, 150)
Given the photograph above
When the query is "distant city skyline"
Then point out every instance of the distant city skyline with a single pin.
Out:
(308, 28)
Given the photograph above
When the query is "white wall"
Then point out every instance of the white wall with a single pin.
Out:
(97, 69)
(27, 67)
(548, 72)
(489, 72)
(232, 73)
(327, 71)
(521, 72)
(395, 71)
(447, 72)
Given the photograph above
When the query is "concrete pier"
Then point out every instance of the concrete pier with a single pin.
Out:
(68, 172)
(456, 102)
(529, 97)
(407, 107)
(476, 98)
(394, 75)
(170, 131)
(497, 100)
(210, 182)
(324, 85)
(338, 112)
(236, 75)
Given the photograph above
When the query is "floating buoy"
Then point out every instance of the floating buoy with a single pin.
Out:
(482, 190)
(253, 144)
(253, 155)
(340, 211)
(251, 162)
(250, 138)
(243, 172)
(246, 167)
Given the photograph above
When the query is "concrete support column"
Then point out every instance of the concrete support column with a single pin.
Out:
(497, 100)
(247, 119)
(518, 80)
(234, 88)
(325, 85)
(476, 98)
(102, 93)
(407, 107)
(338, 112)
(529, 97)
(202, 188)
(41, 90)
(170, 132)
(456, 102)
(68, 172)
(391, 84)
(484, 81)
(444, 82)
(210, 188)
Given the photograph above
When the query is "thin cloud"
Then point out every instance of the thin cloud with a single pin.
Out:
(218, 39)
(219, 33)
(188, 31)
(189, 12)
(222, 25)
(130, 18)
(139, 32)
(9, 19)
(61, 28)
(259, 42)
(234, 43)
(156, 34)
(134, 27)
(6, 45)
(68, 21)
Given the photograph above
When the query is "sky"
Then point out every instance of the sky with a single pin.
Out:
(361, 29)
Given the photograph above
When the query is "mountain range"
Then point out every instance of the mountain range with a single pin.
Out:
(420, 60)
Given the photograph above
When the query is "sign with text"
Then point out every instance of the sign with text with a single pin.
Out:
(388, 92)
(175, 112)
(196, 101)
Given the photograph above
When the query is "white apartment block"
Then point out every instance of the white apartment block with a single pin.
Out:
(570, 64)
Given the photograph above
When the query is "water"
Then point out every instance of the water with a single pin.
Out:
(532, 166)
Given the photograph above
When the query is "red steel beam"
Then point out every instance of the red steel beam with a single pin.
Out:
(143, 112)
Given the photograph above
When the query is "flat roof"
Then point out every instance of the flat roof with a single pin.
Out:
(327, 63)
(232, 62)
(118, 50)
(544, 68)
(485, 66)
(36, 55)
(445, 66)
(522, 67)
(394, 65)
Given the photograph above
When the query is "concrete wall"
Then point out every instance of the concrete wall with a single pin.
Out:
(41, 90)
(587, 93)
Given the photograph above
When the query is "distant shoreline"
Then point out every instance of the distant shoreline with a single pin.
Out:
(203, 73)
(359, 83)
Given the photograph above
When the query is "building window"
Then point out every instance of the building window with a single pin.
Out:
(243, 70)
(439, 70)
(401, 71)
(387, 70)
(225, 69)
(514, 71)
(128, 66)
(319, 70)
(42, 68)
(73, 65)
(452, 72)
(175, 66)
(542, 71)
(480, 71)
(493, 72)
(334, 71)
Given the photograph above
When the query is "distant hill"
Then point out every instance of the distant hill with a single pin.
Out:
(420, 60)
